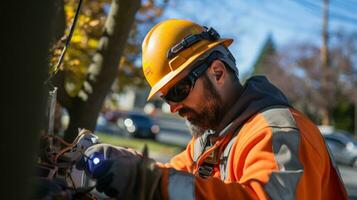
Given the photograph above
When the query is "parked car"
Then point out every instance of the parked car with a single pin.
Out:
(343, 148)
(133, 124)
(105, 126)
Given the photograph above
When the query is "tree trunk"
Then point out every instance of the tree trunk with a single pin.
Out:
(84, 108)
(24, 53)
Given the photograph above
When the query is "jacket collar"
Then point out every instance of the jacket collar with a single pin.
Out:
(258, 93)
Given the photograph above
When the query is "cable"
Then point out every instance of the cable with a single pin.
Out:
(68, 41)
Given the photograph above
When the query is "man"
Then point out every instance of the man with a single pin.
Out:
(248, 143)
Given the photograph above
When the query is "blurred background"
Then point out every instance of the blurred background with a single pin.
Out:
(308, 48)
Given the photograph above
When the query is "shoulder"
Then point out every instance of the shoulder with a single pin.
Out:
(266, 124)
(271, 117)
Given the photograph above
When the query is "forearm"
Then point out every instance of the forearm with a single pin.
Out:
(181, 185)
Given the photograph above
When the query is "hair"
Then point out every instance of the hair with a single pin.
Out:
(229, 62)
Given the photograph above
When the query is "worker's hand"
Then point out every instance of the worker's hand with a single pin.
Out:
(122, 173)
(96, 154)
(117, 178)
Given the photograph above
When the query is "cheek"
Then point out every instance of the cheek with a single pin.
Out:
(197, 97)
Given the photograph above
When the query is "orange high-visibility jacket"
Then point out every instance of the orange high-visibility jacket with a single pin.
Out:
(273, 153)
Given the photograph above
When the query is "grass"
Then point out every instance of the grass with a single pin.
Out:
(138, 144)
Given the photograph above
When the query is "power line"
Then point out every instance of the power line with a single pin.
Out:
(311, 7)
(344, 8)
(335, 15)
(282, 18)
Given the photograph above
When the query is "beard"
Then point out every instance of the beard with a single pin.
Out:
(195, 131)
(211, 114)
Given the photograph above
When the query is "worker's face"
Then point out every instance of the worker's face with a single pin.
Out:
(202, 106)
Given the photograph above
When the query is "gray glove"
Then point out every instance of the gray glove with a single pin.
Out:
(122, 173)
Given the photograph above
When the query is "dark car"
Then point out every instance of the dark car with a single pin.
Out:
(133, 124)
(343, 148)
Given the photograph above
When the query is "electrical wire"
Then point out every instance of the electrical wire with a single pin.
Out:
(68, 41)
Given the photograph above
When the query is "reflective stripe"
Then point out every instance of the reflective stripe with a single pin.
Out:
(199, 145)
(286, 148)
(197, 148)
(279, 117)
(181, 185)
(225, 156)
(285, 143)
(282, 184)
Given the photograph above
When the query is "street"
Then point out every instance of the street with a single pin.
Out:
(349, 176)
(173, 131)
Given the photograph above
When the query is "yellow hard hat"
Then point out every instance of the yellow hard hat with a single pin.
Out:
(172, 46)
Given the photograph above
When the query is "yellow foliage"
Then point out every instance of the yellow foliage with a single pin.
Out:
(92, 43)
(86, 37)
(94, 23)
(76, 38)
(74, 62)
(69, 11)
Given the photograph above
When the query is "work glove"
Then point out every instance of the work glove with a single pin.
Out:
(122, 173)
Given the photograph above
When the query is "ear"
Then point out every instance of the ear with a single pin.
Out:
(217, 72)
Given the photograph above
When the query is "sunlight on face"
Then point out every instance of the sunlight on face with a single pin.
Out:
(210, 115)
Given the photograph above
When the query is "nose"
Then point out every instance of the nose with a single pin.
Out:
(174, 107)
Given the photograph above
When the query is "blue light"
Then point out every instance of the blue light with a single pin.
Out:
(96, 160)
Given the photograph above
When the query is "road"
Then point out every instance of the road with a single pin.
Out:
(349, 176)
(173, 131)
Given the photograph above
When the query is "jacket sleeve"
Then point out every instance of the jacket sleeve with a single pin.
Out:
(182, 161)
(253, 173)
(178, 185)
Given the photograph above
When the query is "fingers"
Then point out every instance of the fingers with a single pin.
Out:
(104, 182)
(81, 163)
(104, 185)
(102, 168)
(110, 192)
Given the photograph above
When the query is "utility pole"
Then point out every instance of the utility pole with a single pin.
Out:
(325, 63)
(355, 100)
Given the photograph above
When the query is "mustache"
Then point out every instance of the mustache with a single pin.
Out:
(183, 111)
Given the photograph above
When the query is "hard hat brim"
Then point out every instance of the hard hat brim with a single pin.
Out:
(173, 74)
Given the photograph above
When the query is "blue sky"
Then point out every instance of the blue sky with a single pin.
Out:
(249, 22)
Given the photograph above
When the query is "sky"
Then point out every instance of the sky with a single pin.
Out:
(249, 22)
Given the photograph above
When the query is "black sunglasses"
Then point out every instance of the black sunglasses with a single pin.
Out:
(182, 89)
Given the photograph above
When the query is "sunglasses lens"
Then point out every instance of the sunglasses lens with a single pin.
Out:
(179, 91)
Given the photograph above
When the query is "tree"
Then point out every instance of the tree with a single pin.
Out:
(297, 70)
(84, 107)
(266, 57)
(130, 72)
(267, 63)
(95, 59)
